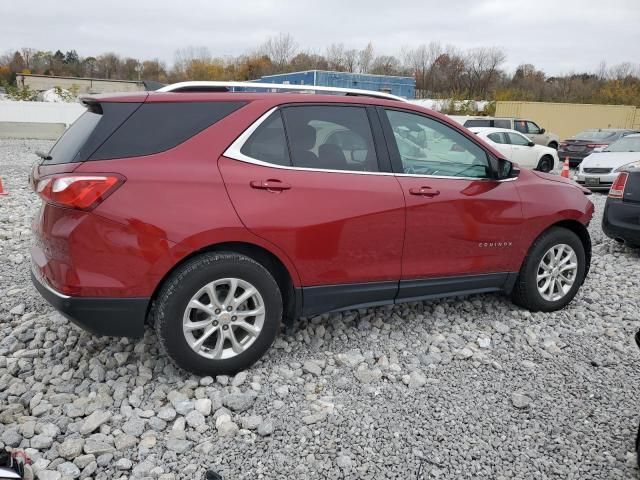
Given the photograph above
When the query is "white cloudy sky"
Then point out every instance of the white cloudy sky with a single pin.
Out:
(558, 36)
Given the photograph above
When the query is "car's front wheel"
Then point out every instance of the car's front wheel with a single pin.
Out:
(218, 313)
(552, 272)
(545, 164)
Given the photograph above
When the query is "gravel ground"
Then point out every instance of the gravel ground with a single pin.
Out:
(466, 388)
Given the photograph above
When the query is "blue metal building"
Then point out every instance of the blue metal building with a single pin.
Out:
(400, 86)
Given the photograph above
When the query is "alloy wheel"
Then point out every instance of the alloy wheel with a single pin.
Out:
(223, 318)
(557, 272)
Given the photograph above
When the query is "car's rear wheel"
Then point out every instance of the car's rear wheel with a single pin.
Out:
(552, 272)
(545, 164)
(218, 313)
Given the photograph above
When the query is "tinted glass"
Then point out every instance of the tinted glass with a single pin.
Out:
(156, 127)
(520, 126)
(516, 139)
(268, 143)
(69, 144)
(428, 147)
(330, 137)
(496, 137)
(478, 123)
(625, 144)
(595, 135)
(502, 123)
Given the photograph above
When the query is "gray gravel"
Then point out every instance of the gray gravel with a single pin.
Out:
(470, 388)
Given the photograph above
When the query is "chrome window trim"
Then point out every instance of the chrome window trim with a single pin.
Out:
(234, 152)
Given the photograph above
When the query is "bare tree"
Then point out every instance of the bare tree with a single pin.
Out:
(335, 57)
(365, 58)
(420, 61)
(482, 65)
(27, 56)
(280, 49)
(351, 60)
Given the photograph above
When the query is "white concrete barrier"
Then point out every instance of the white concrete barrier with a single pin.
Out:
(40, 112)
(38, 130)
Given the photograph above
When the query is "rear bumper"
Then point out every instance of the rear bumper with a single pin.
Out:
(116, 317)
(621, 221)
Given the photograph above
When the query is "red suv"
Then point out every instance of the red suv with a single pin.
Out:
(217, 215)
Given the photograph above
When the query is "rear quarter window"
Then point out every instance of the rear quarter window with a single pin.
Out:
(478, 123)
(157, 127)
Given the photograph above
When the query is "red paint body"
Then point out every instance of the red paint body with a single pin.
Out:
(328, 228)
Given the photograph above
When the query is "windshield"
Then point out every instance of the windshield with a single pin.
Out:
(625, 144)
(594, 135)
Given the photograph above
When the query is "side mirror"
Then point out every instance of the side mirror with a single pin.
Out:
(506, 169)
(530, 144)
(542, 130)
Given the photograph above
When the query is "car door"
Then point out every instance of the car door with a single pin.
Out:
(523, 153)
(462, 227)
(535, 133)
(331, 211)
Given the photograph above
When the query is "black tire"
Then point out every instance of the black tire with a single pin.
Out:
(545, 164)
(525, 292)
(191, 277)
(553, 145)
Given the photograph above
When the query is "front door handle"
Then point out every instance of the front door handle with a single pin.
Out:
(424, 192)
(271, 185)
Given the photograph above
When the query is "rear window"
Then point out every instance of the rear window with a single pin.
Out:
(594, 135)
(156, 127)
(67, 147)
(477, 123)
(625, 144)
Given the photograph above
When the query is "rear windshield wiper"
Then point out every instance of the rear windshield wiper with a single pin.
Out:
(42, 155)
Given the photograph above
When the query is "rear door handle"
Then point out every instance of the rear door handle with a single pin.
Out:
(424, 192)
(271, 185)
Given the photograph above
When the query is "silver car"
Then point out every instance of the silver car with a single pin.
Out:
(599, 170)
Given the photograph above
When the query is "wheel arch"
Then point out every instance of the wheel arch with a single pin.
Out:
(291, 296)
(583, 234)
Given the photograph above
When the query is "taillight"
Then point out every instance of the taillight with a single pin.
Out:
(596, 145)
(83, 192)
(563, 145)
(617, 189)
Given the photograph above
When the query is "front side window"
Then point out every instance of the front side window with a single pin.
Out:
(516, 139)
(533, 128)
(502, 123)
(269, 143)
(330, 137)
(428, 147)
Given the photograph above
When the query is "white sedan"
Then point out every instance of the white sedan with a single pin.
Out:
(599, 170)
(519, 149)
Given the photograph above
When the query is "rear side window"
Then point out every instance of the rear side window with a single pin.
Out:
(496, 137)
(332, 137)
(502, 123)
(478, 123)
(156, 127)
(269, 143)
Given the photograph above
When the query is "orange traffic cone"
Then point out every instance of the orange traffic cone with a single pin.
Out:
(2, 192)
(565, 168)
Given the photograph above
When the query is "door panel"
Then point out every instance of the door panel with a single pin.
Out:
(470, 227)
(336, 227)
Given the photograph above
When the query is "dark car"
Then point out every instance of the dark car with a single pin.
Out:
(621, 219)
(217, 215)
(638, 436)
(583, 144)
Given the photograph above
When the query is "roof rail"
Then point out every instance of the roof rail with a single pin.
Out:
(200, 86)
